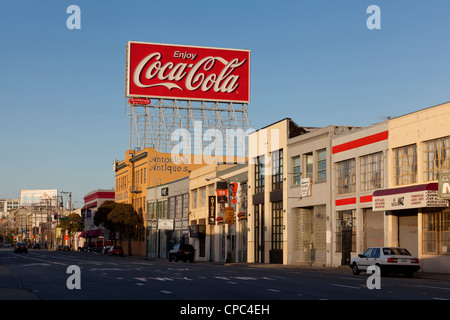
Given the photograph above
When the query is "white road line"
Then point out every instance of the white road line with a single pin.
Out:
(431, 287)
(273, 290)
(166, 292)
(344, 286)
(45, 261)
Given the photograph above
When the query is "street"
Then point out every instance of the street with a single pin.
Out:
(45, 274)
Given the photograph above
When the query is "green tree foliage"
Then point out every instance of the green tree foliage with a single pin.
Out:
(101, 217)
(127, 220)
(73, 224)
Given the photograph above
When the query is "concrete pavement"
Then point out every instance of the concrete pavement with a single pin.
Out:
(11, 287)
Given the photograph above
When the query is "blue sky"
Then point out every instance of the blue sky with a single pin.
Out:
(63, 91)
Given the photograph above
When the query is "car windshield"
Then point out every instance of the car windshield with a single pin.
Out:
(396, 251)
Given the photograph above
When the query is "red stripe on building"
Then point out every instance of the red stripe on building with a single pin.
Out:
(365, 199)
(361, 142)
(343, 202)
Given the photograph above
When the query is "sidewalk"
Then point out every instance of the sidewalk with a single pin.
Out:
(11, 287)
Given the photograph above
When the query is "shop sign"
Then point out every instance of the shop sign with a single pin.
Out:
(164, 191)
(222, 192)
(305, 187)
(166, 71)
(165, 224)
(444, 186)
(408, 200)
(229, 215)
(235, 190)
(142, 101)
(211, 209)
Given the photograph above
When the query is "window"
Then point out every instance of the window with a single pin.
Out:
(371, 171)
(309, 163)
(375, 253)
(194, 198)
(185, 205)
(346, 176)
(178, 206)
(202, 197)
(436, 232)
(151, 211)
(296, 170)
(322, 165)
(436, 154)
(367, 253)
(405, 165)
(259, 174)
(277, 170)
(277, 225)
(171, 208)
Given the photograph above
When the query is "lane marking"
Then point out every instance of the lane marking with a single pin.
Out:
(344, 286)
(431, 287)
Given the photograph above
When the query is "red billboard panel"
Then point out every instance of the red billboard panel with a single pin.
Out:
(187, 73)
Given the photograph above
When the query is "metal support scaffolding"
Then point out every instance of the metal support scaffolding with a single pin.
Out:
(157, 125)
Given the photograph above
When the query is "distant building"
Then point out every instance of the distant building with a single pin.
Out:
(6, 205)
(92, 201)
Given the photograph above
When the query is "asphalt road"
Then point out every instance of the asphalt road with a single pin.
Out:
(48, 275)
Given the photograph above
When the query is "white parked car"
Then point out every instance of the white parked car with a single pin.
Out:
(389, 259)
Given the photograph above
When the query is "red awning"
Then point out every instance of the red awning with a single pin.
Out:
(89, 205)
(90, 233)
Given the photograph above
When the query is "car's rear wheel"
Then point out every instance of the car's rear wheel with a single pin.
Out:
(355, 269)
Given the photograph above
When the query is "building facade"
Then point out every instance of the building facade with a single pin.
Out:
(143, 169)
(92, 234)
(418, 151)
(309, 177)
(167, 220)
(359, 167)
(268, 221)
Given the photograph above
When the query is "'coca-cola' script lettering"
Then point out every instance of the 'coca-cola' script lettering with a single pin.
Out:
(196, 72)
(225, 81)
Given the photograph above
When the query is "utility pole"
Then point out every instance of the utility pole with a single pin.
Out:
(70, 199)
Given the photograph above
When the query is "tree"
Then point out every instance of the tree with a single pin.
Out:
(101, 217)
(127, 219)
(73, 224)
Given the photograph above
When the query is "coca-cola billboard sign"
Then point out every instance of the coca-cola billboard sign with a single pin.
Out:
(187, 72)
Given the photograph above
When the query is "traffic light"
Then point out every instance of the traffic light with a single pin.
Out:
(55, 216)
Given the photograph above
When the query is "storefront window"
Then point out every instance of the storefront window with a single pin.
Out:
(436, 232)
